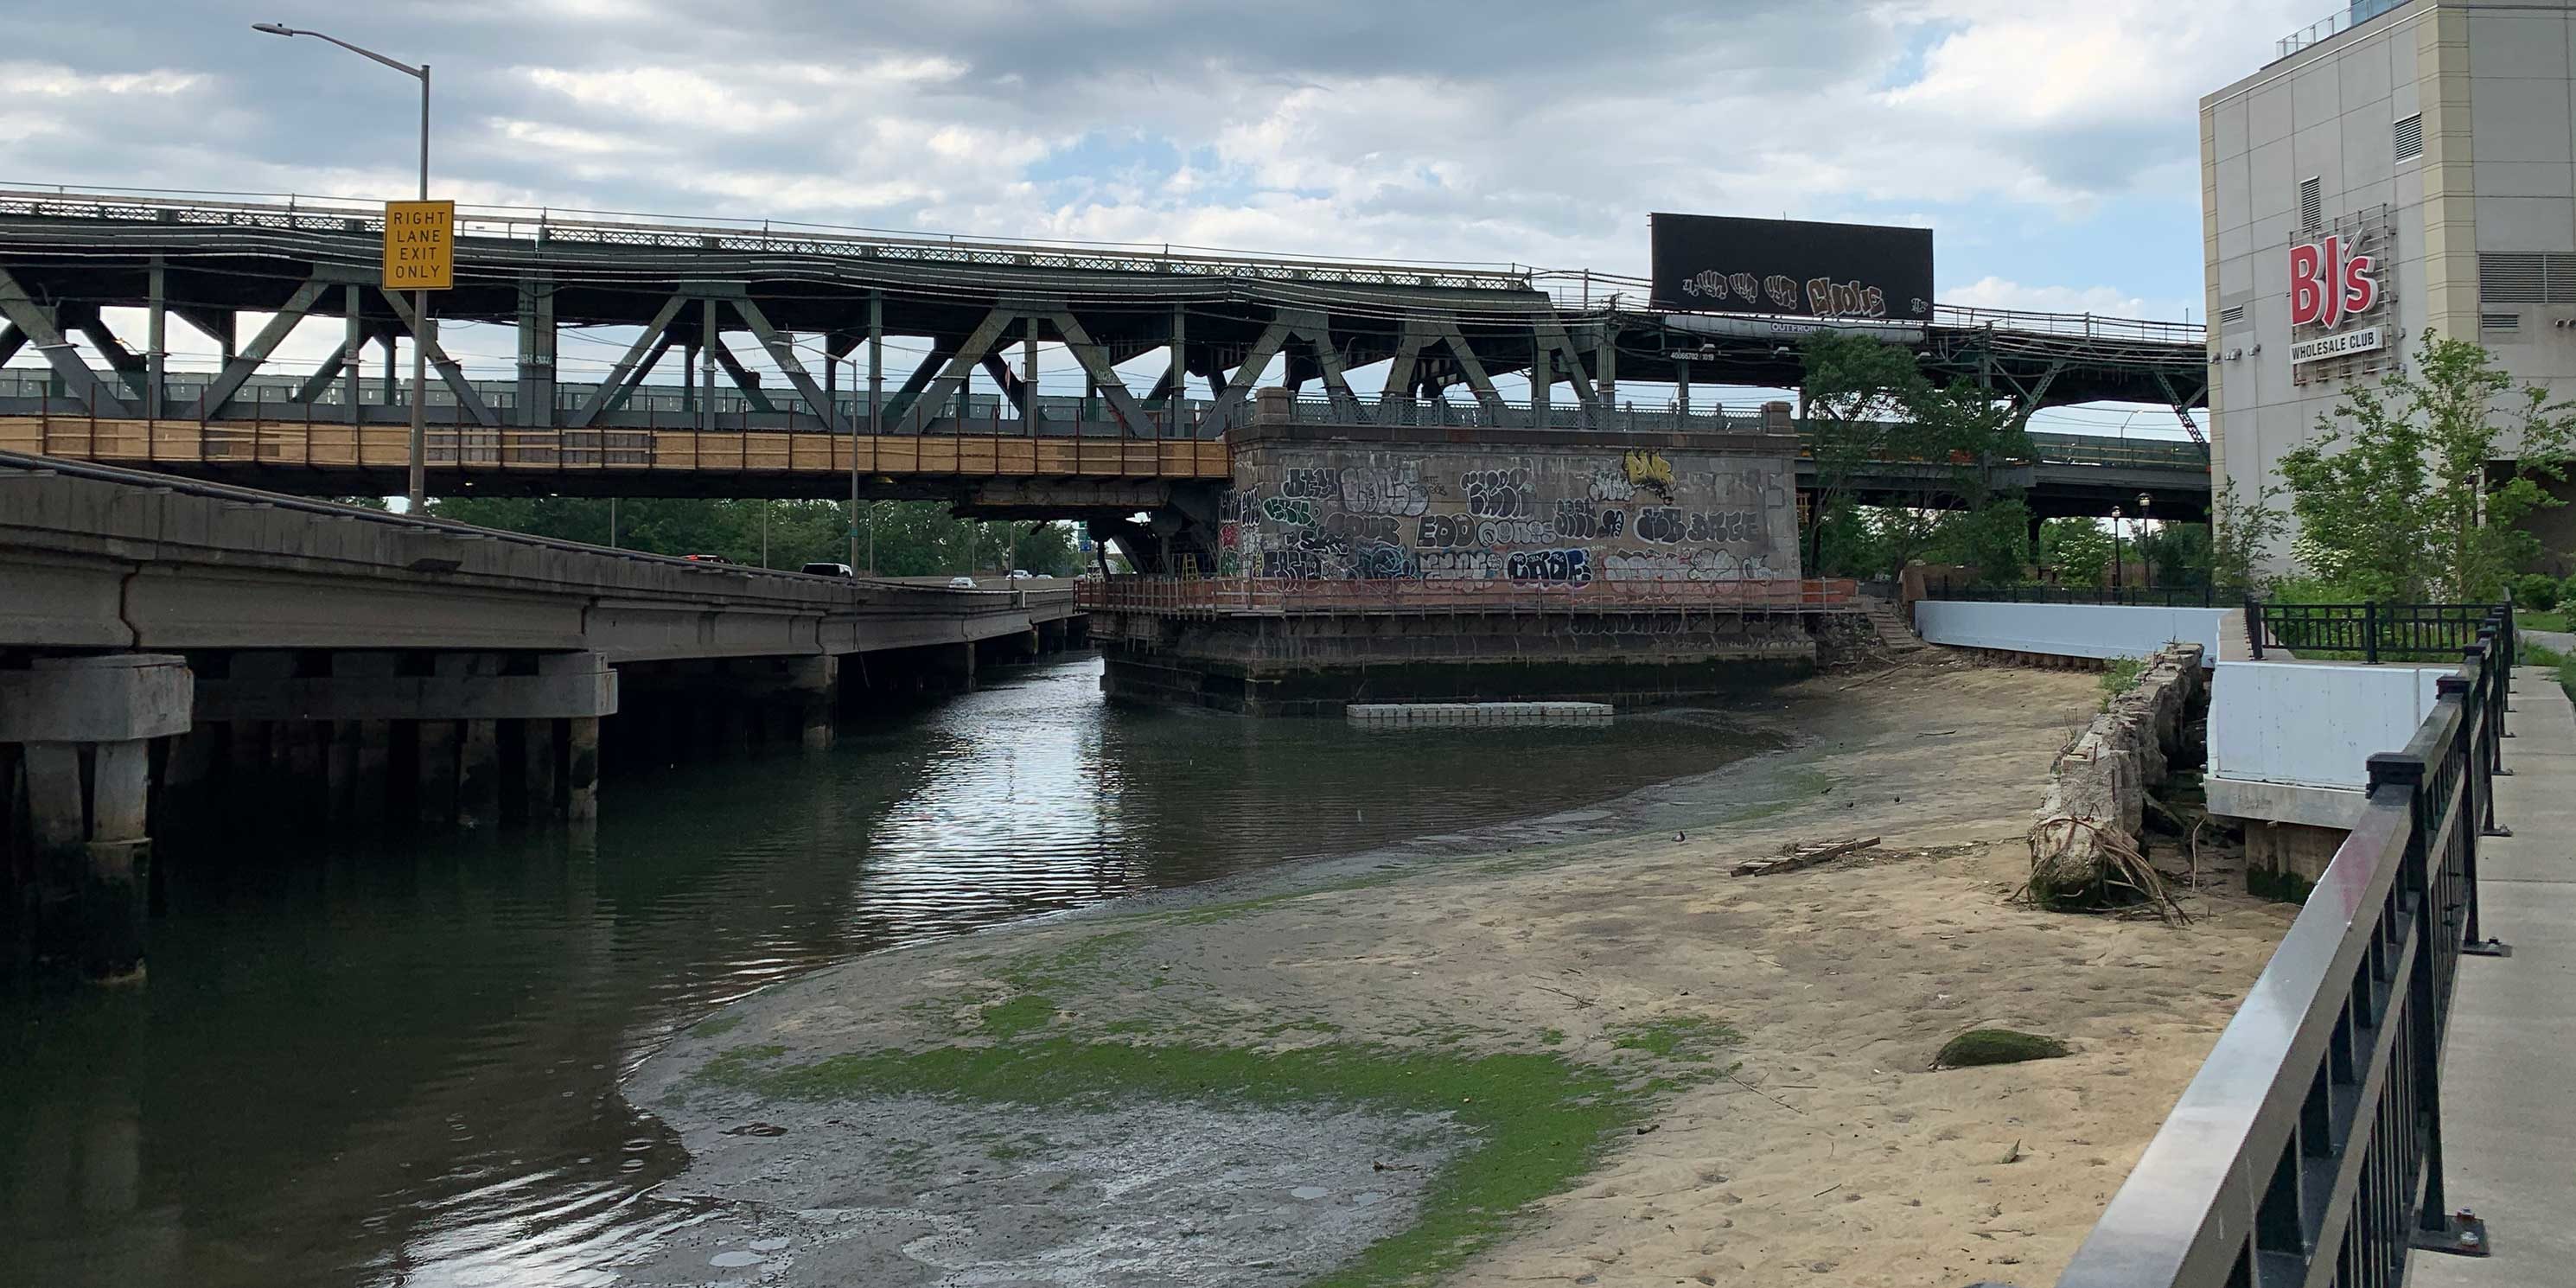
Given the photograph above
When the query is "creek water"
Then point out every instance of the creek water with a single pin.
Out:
(396, 1061)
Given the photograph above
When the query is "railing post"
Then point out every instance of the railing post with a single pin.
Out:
(2481, 793)
(2398, 771)
(2254, 625)
(2370, 633)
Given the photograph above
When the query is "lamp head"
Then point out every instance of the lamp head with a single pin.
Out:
(273, 28)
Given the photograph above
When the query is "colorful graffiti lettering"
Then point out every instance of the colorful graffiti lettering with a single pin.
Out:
(1280, 509)
(1571, 565)
(1396, 491)
(1312, 483)
(1513, 532)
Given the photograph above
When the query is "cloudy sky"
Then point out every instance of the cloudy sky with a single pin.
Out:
(2052, 146)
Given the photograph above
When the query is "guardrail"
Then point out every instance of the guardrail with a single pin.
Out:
(1213, 596)
(543, 226)
(2308, 1150)
(2370, 632)
(2196, 596)
(22, 465)
(1589, 289)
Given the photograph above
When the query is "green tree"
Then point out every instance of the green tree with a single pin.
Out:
(1851, 544)
(1857, 393)
(2405, 500)
(1992, 541)
(1968, 430)
(2176, 554)
(2240, 529)
(2078, 550)
(912, 538)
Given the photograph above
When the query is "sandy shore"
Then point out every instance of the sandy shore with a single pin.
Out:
(1572, 1050)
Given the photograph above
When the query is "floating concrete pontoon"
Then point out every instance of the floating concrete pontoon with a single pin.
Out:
(1427, 714)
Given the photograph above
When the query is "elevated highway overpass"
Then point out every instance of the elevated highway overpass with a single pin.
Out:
(176, 653)
(696, 291)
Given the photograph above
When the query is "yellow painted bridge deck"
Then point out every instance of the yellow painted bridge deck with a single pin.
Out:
(180, 445)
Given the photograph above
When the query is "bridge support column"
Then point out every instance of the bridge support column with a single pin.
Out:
(84, 728)
(952, 666)
(581, 769)
(477, 731)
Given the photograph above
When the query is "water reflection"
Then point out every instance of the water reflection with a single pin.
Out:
(396, 1064)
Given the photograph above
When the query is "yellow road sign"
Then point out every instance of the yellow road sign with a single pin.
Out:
(420, 245)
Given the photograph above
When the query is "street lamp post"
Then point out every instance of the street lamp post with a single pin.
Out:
(2115, 554)
(2146, 566)
(418, 483)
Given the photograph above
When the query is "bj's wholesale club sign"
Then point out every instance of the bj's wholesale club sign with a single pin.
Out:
(2332, 283)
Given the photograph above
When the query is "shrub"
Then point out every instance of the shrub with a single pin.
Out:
(1996, 1046)
(2567, 590)
(2536, 590)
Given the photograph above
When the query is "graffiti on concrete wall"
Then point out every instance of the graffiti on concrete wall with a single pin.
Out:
(1558, 515)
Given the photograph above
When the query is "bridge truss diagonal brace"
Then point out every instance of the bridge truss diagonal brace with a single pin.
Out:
(1399, 372)
(128, 365)
(1316, 331)
(968, 356)
(29, 317)
(784, 354)
(1102, 374)
(743, 382)
(219, 394)
(1553, 342)
(901, 400)
(655, 340)
(1238, 388)
(11, 340)
(1473, 368)
(448, 371)
(2182, 408)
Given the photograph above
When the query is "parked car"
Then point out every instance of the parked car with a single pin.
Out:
(1021, 574)
(707, 559)
(961, 583)
(827, 570)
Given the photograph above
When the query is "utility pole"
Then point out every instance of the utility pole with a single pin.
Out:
(417, 484)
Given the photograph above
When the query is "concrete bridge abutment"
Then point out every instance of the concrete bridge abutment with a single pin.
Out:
(77, 842)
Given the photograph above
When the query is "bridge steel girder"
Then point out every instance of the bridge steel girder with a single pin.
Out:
(782, 352)
(11, 340)
(33, 320)
(220, 391)
(744, 382)
(454, 375)
(613, 391)
(968, 354)
(1098, 368)
(2182, 408)
(1229, 404)
(129, 367)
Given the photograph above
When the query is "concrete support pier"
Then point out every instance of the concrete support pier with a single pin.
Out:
(81, 800)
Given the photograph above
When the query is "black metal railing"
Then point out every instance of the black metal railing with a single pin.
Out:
(2369, 632)
(2308, 1150)
(2199, 595)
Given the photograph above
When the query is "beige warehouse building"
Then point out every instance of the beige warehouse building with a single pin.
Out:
(2398, 167)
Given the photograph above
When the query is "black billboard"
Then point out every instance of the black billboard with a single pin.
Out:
(1718, 264)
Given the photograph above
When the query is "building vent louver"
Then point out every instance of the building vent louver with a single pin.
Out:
(2409, 137)
(2527, 277)
(2494, 322)
(2312, 206)
(2231, 315)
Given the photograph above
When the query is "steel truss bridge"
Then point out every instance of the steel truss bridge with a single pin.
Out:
(817, 301)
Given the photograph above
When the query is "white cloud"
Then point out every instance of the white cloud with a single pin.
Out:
(1998, 293)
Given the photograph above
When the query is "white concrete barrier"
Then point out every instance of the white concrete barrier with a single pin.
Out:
(2291, 742)
(2069, 630)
